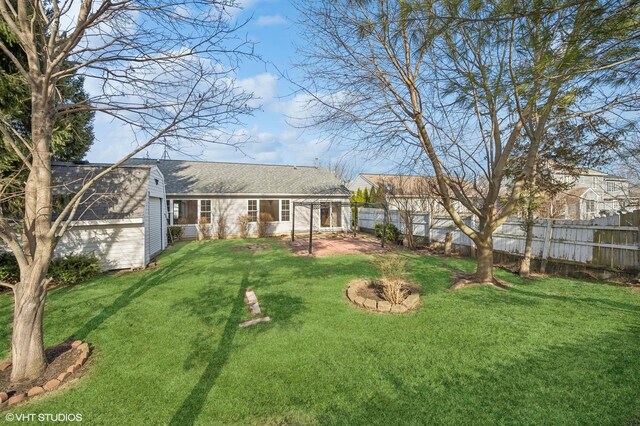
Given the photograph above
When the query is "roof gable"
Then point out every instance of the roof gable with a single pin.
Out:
(120, 194)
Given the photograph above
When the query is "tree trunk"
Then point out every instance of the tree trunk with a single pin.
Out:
(484, 270)
(408, 229)
(27, 343)
(525, 263)
(448, 241)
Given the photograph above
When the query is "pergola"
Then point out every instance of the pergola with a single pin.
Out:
(317, 204)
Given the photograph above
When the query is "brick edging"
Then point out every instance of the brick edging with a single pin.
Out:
(6, 400)
(409, 304)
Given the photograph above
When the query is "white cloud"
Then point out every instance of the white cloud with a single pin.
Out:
(263, 87)
(269, 20)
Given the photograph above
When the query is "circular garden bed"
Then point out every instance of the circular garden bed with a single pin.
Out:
(63, 362)
(367, 294)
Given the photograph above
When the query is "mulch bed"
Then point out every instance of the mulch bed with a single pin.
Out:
(63, 360)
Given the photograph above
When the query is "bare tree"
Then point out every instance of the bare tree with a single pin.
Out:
(341, 168)
(409, 195)
(166, 69)
(461, 82)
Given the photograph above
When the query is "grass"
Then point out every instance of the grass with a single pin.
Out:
(168, 350)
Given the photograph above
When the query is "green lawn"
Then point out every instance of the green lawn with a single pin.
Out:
(168, 350)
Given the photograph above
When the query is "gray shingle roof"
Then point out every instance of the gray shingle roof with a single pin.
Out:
(199, 177)
(118, 195)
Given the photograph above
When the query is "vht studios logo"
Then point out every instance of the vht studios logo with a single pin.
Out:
(43, 417)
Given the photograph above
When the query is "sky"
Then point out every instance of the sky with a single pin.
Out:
(272, 26)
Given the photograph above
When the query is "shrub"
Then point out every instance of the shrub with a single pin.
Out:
(243, 224)
(73, 269)
(67, 270)
(391, 265)
(9, 270)
(392, 233)
(393, 269)
(175, 233)
(221, 229)
(393, 291)
(203, 228)
(263, 224)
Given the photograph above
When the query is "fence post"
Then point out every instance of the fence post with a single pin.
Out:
(546, 248)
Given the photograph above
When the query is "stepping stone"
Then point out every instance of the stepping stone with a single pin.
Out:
(252, 301)
(254, 321)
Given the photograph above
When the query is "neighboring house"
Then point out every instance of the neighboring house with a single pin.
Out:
(404, 192)
(122, 218)
(207, 190)
(608, 195)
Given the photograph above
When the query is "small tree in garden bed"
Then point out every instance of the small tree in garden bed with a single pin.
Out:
(243, 222)
(175, 233)
(204, 231)
(263, 224)
(221, 227)
(394, 271)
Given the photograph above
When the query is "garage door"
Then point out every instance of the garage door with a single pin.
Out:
(155, 226)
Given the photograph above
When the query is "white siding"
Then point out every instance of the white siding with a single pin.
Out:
(154, 227)
(118, 246)
(155, 216)
(232, 208)
(359, 182)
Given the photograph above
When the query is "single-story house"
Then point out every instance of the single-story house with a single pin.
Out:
(200, 191)
(122, 219)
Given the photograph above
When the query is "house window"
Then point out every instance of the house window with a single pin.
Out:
(330, 215)
(612, 186)
(252, 210)
(285, 211)
(591, 207)
(336, 215)
(185, 212)
(270, 207)
(205, 210)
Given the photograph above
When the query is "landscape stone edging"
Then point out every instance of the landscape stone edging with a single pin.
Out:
(410, 303)
(6, 401)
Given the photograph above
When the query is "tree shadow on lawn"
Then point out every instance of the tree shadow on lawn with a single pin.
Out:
(532, 295)
(148, 281)
(586, 382)
(282, 306)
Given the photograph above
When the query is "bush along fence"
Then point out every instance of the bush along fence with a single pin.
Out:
(609, 243)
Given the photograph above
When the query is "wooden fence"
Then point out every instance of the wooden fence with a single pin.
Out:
(611, 242)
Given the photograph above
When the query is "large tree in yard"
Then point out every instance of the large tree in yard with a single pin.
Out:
(165, 69)
(565, 150)
(463, 82)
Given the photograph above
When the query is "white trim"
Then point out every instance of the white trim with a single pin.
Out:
(249, 195)
(105, 222)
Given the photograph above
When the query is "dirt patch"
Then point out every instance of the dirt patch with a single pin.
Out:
(251, 248)
(62, 361)
(337, 245)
